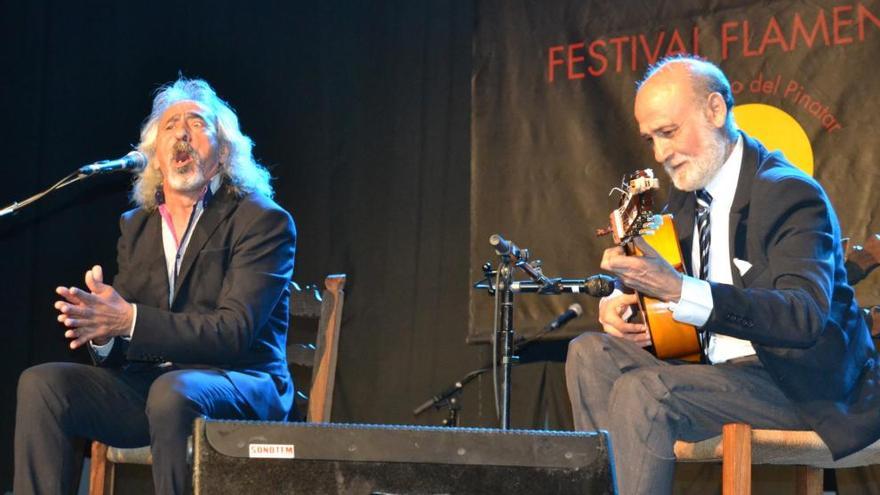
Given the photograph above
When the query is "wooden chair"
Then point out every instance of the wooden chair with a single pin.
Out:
(739, 446)
(305, 303)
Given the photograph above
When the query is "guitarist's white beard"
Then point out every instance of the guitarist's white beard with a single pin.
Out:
(698, 171)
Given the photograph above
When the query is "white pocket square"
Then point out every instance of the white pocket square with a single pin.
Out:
(742, 265)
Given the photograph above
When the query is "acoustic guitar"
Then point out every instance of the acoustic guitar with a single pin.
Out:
(633, 218)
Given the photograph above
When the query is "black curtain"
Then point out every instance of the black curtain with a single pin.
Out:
(362, 112)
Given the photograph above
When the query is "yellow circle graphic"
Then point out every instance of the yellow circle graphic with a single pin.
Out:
(778, 131)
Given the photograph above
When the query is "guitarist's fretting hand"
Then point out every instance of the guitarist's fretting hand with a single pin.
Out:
(613, 309)
(649, 274)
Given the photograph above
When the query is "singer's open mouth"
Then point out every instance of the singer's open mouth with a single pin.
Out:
(183, 154)
(184, 167)
(182, 160)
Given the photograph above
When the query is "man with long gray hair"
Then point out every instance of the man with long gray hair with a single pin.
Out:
(195, 321)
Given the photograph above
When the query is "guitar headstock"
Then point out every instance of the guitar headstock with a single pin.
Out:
(634, 216)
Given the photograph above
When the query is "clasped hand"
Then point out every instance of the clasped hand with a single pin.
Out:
(97, 315)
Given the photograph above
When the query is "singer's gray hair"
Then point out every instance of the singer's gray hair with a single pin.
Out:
(242, 171)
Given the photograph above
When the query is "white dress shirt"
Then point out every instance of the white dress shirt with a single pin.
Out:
(695, 305)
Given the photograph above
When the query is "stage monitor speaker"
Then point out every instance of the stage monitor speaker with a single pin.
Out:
(232, 457)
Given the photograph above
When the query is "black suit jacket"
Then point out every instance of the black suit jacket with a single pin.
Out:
(794, 303)
(230, 307)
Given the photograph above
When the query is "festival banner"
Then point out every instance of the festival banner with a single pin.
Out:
(553, 132)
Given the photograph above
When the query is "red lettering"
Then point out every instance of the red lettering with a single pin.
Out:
(597, 56)
(553, 61)
(798, 27)
(746, 51)
(676, 44)
(652, 56)
(727, 38)
(695, 40)
(573, 59)
(618, 42)
(864, 13)
(773, 35)
(837, 23)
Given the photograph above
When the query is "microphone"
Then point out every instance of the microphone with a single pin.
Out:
(433, 401)
(573, 311)
(595, 286)
(503, 247)
(133, 161)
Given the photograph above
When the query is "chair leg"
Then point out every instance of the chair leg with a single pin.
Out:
(101, 472)
(808, 480)
(737, 459)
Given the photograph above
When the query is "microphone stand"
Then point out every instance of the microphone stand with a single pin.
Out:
(71, 178)
(501, 280)
(505, 331)
(511, 256)
(449, 395)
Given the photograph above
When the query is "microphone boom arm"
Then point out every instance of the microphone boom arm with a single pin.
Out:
(130, 161)
(66, 181)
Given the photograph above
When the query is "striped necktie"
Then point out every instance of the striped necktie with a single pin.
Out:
(704, 201)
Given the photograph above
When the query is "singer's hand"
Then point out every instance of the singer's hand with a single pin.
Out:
(97, 315)
(611, 311)
(649, 274)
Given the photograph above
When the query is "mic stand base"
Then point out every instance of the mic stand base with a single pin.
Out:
(452, 418)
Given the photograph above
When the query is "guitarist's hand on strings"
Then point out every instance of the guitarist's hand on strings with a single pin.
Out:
(649, 274)
(612, 311)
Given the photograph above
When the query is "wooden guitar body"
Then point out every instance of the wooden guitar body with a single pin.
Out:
(634, 218)
(670, 339)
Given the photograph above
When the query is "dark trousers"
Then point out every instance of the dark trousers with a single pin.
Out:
(647, 404)
(60, 405)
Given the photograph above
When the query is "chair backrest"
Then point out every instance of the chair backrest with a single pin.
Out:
(317, 348)
(859, 263)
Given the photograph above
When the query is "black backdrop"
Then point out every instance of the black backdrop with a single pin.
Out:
(361, 110)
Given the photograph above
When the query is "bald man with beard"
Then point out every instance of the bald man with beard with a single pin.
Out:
(785, 345)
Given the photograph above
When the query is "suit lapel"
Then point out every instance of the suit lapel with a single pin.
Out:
(218, 209)
(147, 255)
(683, 205)
(739, 209)
(157, 268)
